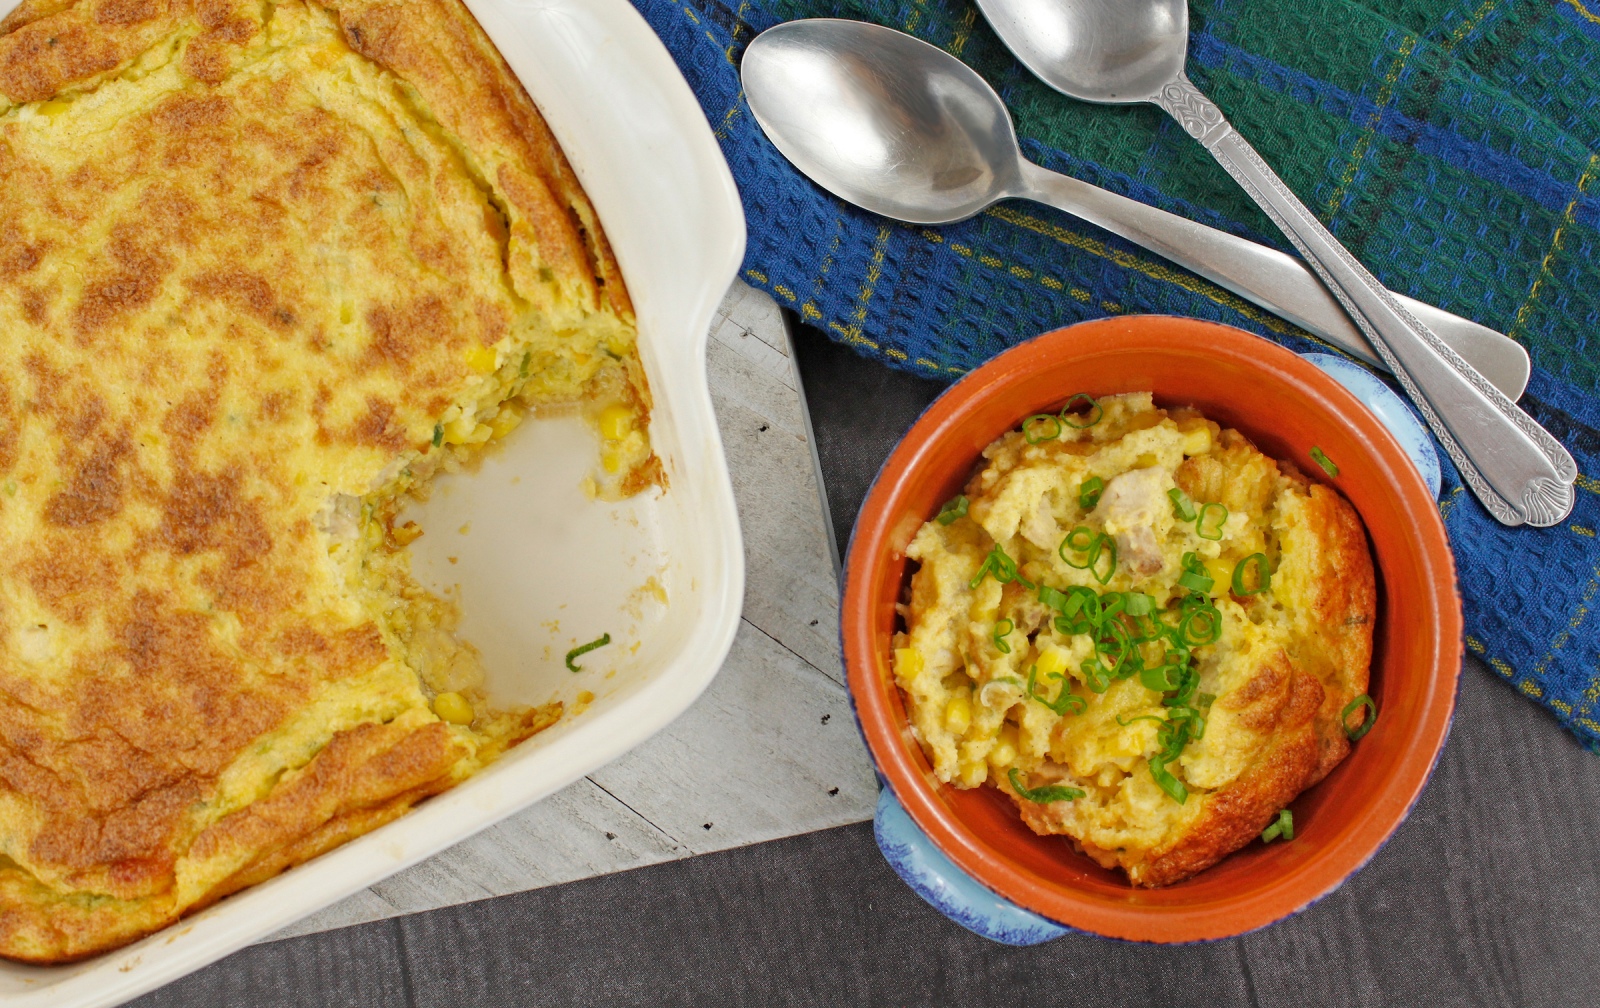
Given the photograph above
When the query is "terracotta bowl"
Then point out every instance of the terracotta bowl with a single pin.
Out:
(1285, 405)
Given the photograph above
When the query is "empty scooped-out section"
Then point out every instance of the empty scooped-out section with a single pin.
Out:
(517, 546)
(1284, 404)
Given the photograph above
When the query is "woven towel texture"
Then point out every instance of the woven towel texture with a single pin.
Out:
(1454, 147)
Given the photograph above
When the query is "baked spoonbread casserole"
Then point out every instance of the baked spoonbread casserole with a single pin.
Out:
(1144, 631)
(264, 270)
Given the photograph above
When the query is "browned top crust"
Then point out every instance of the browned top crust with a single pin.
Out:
(250, 256)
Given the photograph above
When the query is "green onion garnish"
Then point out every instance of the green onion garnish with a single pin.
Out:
(1168, 783)
(1002, 567)
(583, 649)
(1089, 492)
(1042, 795)
(1001, 630)
(1369, 717)
(1194, 576)
(1137, 604)
(1283, 827)
(1161, 678)
(1182, 504)
(1200, 625)
(1263, 575)
(1324, 461)
(1034, 436)
(438, 435)
(1209, 524)
(1093, 546)
(1056, 600)
(955, 507)
(1094, 415)
(1065, 701)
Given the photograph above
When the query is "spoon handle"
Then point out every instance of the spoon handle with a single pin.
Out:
(1516, 468)
(1282, 284)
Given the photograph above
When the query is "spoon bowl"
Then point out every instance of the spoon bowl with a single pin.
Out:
(882, 120)
(1110, 53)
(903, 129)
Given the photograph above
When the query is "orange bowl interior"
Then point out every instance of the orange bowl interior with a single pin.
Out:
(1285, 405)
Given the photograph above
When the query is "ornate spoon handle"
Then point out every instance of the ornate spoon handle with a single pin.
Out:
(1520, 472)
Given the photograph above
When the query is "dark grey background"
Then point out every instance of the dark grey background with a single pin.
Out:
(1489, 894)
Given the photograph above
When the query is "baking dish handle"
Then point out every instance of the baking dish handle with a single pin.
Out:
(948, 889)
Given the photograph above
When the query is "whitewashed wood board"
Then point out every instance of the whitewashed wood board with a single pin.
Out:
(768, 751)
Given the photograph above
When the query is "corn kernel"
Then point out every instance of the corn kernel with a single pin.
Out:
(1197, 441)
(54, 108)
(974, 773)
(616, 422)
(481, 359)
(1052, 661)
(505, 421)
(907, 663)
(1145, 461)
(1004, 752)
(958, 715)
(458, 431)
(453, 708)
(1220, 571)
(611, 460)
(405, 535)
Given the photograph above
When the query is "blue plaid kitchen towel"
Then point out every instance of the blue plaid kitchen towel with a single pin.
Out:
(1453, 145)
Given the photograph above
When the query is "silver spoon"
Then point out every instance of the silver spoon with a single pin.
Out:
(908, 131)
(1128, 51)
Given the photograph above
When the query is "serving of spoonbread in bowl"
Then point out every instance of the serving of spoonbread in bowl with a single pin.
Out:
(269, 271)
(1116, 705)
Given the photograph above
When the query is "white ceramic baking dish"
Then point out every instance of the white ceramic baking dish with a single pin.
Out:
(537, 566)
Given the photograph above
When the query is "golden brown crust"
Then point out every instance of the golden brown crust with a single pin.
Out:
(247, 290)
(1284, 706)
(437, 47)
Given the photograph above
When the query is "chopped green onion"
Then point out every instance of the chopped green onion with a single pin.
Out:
(1159, 678)
(1206, 632)
(438, 435)
(1195, 582)
(583, 649)
(1108, 549)
(1321, 459)
(1093, 546)
(1094, 415)
(1042, 795)
(955, 507)
(1369, 717)
(1079, 540)
(1002, 567)
(1001, 634)
(1182, 504)
(1263, 575)
(1056, 600)
(1089, 492)
(1065, 701)
(1168, 783)
(1283, 827)
(1031, 437)
(1215, 531)
(1137, 604)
